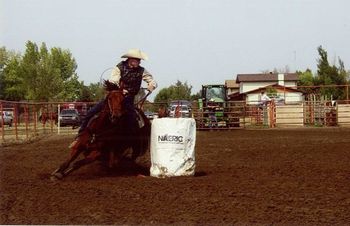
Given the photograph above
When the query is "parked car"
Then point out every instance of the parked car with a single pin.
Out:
(184, 111)
(150, 115)
(6, 118)
(180, 102)
(69, 117)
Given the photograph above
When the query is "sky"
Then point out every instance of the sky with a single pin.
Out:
(194, 41)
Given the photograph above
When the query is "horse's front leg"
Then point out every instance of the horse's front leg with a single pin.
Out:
(91, 157)
(77, 147)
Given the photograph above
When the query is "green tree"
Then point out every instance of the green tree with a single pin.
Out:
(178, 91)
(330, 75)
(11, 87)
(92, 93)
(49, 76)
(306, 78)
(40, 74)
(13, 82)
(342, 72)
(197, 95)
(85, 94)
(3, 62)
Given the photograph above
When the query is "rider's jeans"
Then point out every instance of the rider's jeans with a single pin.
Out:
(131, 114)
(93, 111)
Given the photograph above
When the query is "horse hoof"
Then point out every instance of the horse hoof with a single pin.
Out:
(53, 178)
(56, 176)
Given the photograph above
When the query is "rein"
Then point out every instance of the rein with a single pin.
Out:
(140, 102)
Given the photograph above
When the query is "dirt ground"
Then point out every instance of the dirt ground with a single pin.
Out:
(278, 176)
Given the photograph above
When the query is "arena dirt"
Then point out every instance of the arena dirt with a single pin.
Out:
(279, 176)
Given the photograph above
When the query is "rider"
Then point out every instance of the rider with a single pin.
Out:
(131, 74)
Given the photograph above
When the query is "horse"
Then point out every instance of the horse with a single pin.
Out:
(48, 116)
(105, 135)
(163, 111)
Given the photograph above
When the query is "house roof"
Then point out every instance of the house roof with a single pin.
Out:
(276, 86)
(231, 84)
(271, 77)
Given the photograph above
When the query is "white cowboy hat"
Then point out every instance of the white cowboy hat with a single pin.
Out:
(135, 53)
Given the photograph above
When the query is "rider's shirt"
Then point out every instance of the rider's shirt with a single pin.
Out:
(131, 77)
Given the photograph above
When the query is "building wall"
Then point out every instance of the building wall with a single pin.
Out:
(232, 90)
(289, 98)
(344, 114)
(249, 86)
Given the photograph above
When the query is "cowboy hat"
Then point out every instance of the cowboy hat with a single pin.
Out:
(135, 53)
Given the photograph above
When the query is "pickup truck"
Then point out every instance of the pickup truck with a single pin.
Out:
(6, 118)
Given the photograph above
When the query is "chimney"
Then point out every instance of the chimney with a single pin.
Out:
(280, 79)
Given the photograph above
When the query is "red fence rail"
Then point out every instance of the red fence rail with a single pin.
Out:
(30, 120)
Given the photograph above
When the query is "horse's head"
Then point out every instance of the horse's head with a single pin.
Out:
(115, 104)
(115, 98)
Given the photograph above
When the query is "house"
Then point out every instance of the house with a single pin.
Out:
(232, 87)
(281, 95)
(249, 82)
(281, 87)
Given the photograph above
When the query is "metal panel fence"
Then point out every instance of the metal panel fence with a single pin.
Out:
(31, 120)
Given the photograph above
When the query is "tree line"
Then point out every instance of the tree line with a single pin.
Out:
(327, 75)
(42, 74)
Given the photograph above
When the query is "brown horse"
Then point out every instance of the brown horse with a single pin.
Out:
(48, 116)
(105, 135)
(163, 111)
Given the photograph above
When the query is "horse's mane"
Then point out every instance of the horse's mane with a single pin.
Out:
(110, 86)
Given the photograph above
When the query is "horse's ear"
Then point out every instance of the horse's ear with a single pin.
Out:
(109, 86)
(105, 84)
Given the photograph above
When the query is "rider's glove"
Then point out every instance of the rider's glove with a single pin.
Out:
(150, 88)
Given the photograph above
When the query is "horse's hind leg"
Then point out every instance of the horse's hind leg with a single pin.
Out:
(137, 148)
(114, 157)
(111, 159)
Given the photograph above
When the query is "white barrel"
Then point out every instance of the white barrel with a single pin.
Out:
(173, 147)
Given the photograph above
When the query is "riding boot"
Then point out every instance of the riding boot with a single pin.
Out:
(91, 113)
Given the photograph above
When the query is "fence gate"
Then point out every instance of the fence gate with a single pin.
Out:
(320, 113)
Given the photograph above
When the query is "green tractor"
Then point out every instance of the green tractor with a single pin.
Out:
(212, 107)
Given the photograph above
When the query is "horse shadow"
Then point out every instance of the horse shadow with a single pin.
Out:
(125, 168)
